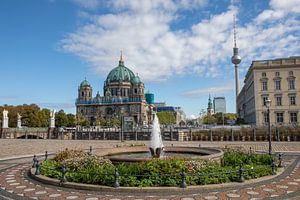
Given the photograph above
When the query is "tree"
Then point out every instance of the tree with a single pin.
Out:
(166, 118)
(81, 121)
(71, 120)
(30, 115)
(61, 119)
(115, 122)
(100, 121)
(227, 116)
(44, 116)
(209, 119)
(33, 116)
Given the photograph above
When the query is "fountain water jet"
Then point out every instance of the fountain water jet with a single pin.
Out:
(156, 145)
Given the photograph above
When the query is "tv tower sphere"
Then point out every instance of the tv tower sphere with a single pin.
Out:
(236, 59)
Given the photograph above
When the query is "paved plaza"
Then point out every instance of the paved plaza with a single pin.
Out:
(16, 184)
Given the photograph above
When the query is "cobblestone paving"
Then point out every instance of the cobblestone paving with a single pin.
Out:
(16, 182)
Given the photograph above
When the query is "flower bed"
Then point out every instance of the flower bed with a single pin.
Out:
(84, 168)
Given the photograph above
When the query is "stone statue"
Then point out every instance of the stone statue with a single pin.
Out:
(5, 119)
(5, 113)
(52, 119)
(19, 122)
(52, 114)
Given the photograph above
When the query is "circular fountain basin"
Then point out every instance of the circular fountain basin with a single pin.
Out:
(142, 154)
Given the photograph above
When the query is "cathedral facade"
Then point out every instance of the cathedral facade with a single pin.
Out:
(123, 97)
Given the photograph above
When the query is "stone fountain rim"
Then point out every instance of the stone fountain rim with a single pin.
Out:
(214, 153)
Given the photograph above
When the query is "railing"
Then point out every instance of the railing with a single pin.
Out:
(27, 129)
(239, 173)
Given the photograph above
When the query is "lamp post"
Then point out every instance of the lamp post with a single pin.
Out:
(268, 103)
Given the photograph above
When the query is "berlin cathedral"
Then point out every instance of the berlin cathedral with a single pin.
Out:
(123, 97)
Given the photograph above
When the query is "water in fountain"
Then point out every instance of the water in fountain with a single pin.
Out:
(156, 145)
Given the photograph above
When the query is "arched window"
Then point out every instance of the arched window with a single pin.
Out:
(82, 94)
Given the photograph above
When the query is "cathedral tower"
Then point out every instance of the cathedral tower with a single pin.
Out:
(85, 91)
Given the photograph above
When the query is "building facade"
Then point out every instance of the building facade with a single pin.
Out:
(219, 105)
(123, 97)
(277, 80)
(179, 114)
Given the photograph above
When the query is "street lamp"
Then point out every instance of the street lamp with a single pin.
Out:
(268, 104)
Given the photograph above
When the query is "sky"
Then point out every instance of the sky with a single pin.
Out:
(181, 49)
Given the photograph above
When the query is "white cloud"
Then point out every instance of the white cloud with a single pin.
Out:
(142, 29)
(279, 9)
(287, 5)
(216, 90)
(192, 117)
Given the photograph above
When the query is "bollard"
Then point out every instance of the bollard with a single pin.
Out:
(183, 177)
(37, 168)
(63, 178)
(91, 149)
(46, 155)
(116, 182)
(273, 168)
(241, 174)
(280, 160)
(34, 161)
(232, 136)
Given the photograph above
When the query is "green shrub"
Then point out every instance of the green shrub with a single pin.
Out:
(84, 168)
(50, 168)
(237, 158)
(100, 175)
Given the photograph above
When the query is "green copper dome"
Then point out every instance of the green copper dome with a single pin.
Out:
(85, 83)
(120, 73)
(136, 80)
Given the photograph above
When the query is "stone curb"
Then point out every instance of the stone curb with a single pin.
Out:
(82, 186)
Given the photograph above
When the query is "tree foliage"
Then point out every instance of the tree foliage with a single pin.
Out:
(209, 119)
(166, 118)
(112, 122)
(217, 118)
(34, 116)
(81, 120)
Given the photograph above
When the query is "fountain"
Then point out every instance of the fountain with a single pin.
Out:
(156, 145)
(156, 148)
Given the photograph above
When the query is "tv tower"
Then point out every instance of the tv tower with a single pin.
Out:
(236, 59)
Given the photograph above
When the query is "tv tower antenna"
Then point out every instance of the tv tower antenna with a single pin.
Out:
(236, 59)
